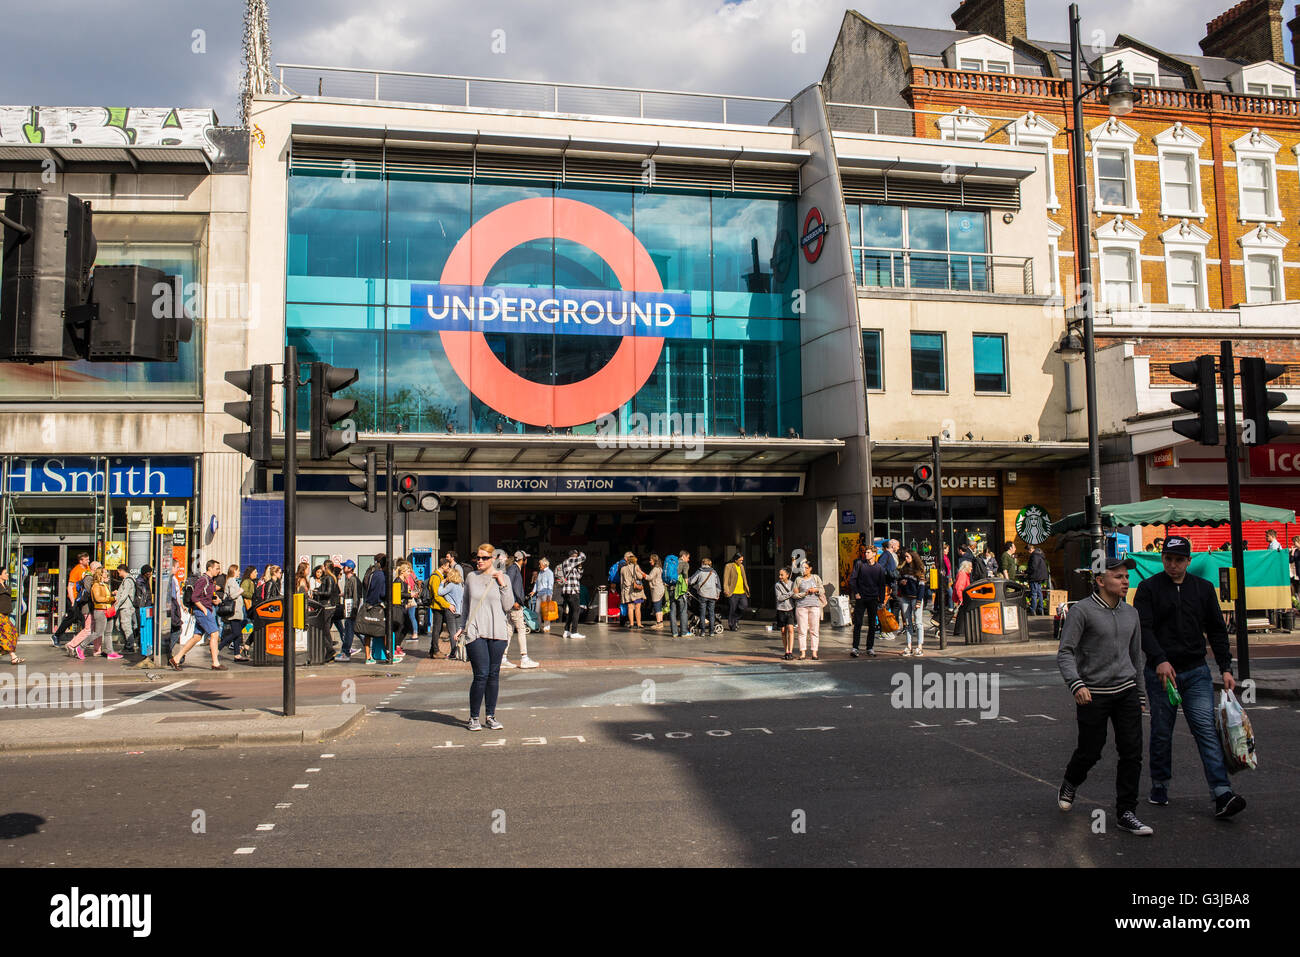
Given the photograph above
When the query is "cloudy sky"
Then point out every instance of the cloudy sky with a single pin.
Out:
(147, 52)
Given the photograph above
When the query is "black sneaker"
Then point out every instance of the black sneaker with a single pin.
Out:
(1128, 822)
(1065, 796)
(1159, 796)
(1226, 805)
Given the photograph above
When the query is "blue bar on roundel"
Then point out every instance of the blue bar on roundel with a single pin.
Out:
(438, 307)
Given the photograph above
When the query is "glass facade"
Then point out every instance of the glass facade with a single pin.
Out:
(920, 247)
(124, 381)
(370, 249)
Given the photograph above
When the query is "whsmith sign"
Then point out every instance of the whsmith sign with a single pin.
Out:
(123, 478)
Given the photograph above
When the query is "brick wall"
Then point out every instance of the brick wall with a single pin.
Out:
(1166, 351)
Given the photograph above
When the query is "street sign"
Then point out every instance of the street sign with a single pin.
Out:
(847, 517)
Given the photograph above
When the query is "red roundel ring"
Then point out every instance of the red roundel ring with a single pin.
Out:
(509, 393)
(812, 249)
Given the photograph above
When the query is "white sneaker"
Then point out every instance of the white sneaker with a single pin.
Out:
(526, 662)
(546, 629)
(919, 652)
(907, 652)
(566, 633)
(507, 663)
(576, 635)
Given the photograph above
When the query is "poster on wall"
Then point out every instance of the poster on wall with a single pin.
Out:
(114, 555)
(850, 544)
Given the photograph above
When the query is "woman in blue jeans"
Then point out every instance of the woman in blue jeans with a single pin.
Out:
(488, 601)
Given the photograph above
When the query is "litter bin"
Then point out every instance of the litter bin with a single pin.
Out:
(320, 646)
(602, 602)
(268, 634)
(995, 609)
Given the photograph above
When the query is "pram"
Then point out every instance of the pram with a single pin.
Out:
(693, 614)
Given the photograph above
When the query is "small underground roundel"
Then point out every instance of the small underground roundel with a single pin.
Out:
(814, 235)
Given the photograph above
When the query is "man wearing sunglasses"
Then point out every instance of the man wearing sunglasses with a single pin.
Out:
(1178, 611)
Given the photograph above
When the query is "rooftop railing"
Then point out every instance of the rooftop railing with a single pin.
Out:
(437, 89)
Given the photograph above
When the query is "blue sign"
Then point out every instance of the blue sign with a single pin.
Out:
(126, 477)
(573, 484)
(587, 312)
(847, 517)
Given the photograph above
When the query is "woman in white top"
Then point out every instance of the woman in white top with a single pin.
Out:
(808, 609)
(488, 601)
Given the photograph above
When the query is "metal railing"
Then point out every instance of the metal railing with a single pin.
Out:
(438, 89)
(902, 121)
(888, 267)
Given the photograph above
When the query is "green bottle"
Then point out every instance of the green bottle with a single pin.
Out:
(1175, 699)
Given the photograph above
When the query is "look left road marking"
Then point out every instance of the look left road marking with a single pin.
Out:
(95, 713)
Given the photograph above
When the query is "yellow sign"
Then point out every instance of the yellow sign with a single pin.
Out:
(397, 593)
(991, 619)
(299, 610)
(114, 555)
(162, 529)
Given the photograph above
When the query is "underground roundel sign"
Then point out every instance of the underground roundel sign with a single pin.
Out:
(814, 235)
(462, 309)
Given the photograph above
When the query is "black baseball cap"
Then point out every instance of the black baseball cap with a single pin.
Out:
(1174, 545)
(1126, 562)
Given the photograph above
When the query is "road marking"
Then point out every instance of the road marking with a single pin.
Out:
(245, 850)
(312, 770)
(96, 712)
(327, 755)
(283, 805)
(301, 786)
(266, 827)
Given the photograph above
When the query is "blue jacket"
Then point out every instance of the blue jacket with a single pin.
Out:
(868, 580)
(376, 592)
(516, 579)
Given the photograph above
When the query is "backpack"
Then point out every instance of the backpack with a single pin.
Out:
(670, 568)
(680, 587)
(83, 590)
(187, 595)
(614, 570)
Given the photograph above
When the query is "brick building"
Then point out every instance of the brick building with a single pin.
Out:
(1194, 200)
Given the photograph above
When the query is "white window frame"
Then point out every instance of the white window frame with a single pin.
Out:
(991, 64)
(1178, 140)
(1032, 130)
(1258, 146)
(1266, 77)
(1187, 238)
(1114, 135)
(1143, 79)
(982, 49)
(1136, 63)
(1267, 242)
(1119, 234)
(963, 125)
(1054, 231)
(1278, 291)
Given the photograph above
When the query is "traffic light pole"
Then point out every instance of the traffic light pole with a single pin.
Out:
(1230, 452)
(940, 592)
(389, 482)
(290, 644)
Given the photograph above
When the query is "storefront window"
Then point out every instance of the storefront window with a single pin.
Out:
(730, 358)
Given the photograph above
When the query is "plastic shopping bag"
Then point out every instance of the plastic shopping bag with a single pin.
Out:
(1235, 732)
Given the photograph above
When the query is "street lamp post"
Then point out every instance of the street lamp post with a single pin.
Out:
(1120, 99)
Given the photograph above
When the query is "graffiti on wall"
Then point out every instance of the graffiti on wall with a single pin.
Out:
(111, 126)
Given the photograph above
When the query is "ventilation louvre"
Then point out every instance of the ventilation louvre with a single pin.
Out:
(860, 188)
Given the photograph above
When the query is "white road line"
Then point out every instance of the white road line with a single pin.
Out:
(266, 827)
(245, 850)
(95, 713)
(312, 770)
(301, 786)
(327, 755)
(283, 805)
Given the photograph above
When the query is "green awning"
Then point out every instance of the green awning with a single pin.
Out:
(1174, 511)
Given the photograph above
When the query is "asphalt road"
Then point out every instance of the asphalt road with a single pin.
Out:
(671, 766)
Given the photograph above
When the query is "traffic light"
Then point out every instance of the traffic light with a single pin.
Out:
(256, 442)
(48, 251)
(365, 481)
(408, 488)
(1257, 401)
(920, 489)
(1203, 400)
(138, 315)
(923, 482)
(326, 441)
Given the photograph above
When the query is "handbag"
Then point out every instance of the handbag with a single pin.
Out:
(550, 610)
(821, 592)
(110, 612)
(888, 623)
(372, 621)
(227, 608)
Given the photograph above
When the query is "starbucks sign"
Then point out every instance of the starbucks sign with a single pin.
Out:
(1034, 525)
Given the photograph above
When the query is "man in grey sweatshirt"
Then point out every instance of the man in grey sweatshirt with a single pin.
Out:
(1100, 660)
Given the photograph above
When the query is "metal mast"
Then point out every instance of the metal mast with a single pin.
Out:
(257, 58)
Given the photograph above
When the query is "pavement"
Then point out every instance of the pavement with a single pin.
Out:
(130, 704)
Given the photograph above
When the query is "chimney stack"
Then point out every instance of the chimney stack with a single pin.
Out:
(1002, 19)
(1250, 31)
(1295, 37)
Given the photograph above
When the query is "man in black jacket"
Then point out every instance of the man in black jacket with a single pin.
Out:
(867, 583)
(1178, 611)
(1038, 576)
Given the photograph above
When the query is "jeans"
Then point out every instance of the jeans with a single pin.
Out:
(1124, 711)
(677, 613)
(571, 612)
(1197, 690)
(102, 632)
(485, 659)
(347, 628)
(74, 619)
(708, 615)
(436, 617)
(413, 617)
(232, 633)
(126, 619)
(861, 607)
(737, 604)
(908, 618)
(1037, 599)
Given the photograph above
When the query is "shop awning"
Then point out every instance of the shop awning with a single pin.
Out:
(1175, 511)
(963, 453)
(478, 452)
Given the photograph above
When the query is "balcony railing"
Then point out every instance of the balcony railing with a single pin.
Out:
(437, 89)
(892, 268)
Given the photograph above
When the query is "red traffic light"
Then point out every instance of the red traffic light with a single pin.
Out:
(407, 483)
(923, 473)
